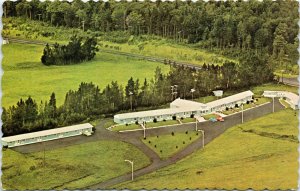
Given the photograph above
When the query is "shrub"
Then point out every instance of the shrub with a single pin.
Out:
(145, 138)
(227, 108)
(155, 146)
(236, 105)
(181, 118)
(176, 147)
(149, 142)
(192, 116)
(136, 122)
(164, 120)
(126, 124)
(157, 136)
(183, 142)
(172, 133)
(154, 120)
(174, 117)
(197, 133)
(161, 151)
(32, 168)
(248, 102)
(186, 132)
(252, 101)
(190, 138)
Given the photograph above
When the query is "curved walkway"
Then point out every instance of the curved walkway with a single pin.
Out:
(212, 130)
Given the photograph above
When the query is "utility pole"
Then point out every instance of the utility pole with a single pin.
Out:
(39, 16)
(192, 91)
(174, 91)
(83, 25)
(130, 94)
(131, 162)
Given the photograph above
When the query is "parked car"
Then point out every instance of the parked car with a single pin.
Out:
(212, 119)
(220, 118)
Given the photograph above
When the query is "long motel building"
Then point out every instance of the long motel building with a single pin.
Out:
(47, 135)
(291, 98)
(184, 108)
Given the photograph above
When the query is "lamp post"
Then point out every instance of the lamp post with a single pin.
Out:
(144, 127)
(273, 104)
(202, 131)
(242, 113)
(130, 94)
(192, 91)
(131, 162)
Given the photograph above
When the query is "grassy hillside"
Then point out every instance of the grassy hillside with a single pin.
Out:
(169, 50)
(70, 167)
(25, 75)
(258, 154)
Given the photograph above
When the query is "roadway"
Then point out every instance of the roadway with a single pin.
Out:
(212, 131)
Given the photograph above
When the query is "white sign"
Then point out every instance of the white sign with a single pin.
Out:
(218, 93)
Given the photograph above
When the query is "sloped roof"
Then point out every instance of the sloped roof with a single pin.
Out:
(47, 132)
(230, 99)
(182, 103)
(152, 113)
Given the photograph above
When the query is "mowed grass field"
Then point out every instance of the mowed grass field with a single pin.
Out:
(258, 154)
(71, 167)
(164, 49)
(167, 145)
(25, 75)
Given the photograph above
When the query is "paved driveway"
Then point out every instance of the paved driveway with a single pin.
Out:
(212, 130)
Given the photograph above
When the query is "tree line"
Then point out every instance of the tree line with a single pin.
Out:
(74, 52)
(267, 27)
(88, 102)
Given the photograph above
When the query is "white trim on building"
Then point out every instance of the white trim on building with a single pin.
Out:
(291, 98)
(46, 135)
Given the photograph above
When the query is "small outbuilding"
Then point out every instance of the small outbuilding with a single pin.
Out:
(47, 135)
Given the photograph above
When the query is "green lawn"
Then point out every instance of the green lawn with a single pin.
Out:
(161, 123)
(167, 145)
(126, 127)
(164, 49)
(25, 75)
(260, 101)
(188, 120)
(208, 116)
(267, 157)
(259, 90)
(71, 167)
(206, 99)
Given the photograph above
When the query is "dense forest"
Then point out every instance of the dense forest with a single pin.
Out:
(260, 35)
(89, 102)
(267, 27)
(74, 52)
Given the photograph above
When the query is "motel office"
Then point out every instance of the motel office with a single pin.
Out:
(184, 108)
